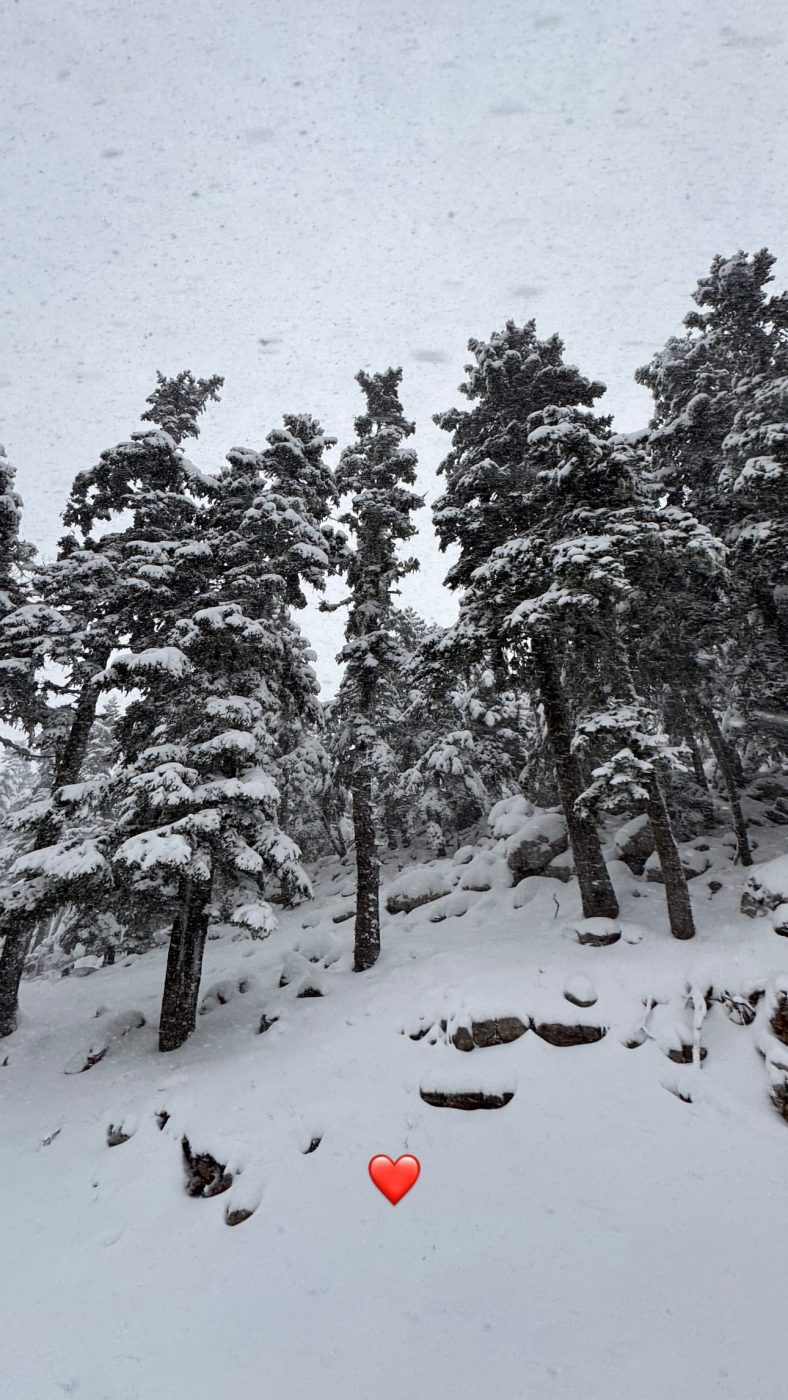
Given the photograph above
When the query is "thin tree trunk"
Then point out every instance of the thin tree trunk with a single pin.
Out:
(19, 935)
(596, 889)
(722, 753)
(690, 737)
(184, 968)
(682, 924)
(367, 941)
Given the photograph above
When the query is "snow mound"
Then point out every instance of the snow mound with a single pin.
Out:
(418, 886)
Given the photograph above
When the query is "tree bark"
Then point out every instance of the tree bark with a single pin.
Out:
(687, 728)
(722, 753)
(682, 924)
(367, 936)
(19, 936)
(596, 889)
(184, 968)
(774, 619)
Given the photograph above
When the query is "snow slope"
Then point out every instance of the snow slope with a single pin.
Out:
(598, 1238)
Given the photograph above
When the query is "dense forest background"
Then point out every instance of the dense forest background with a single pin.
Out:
(169, 766)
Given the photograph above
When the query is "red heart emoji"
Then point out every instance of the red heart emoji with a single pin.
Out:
(394, 1179)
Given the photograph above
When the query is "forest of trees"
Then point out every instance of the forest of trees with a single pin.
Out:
(621, 644)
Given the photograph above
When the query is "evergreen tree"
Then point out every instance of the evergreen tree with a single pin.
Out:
(715, 445)
(199, 836)
(495, 512)
(609, 550)
(177, 402)
(123, 586)
(17, 662)
(376, 472)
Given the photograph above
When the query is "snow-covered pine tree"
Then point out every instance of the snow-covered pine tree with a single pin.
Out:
(607, 550)
(274, 536)
(198, 834)
(376, 472)
(17, 662)
(178, 400)
(754, 484)
(734, 352)
(98, 593)
(491, 511)
(459, 745)
(199, 837)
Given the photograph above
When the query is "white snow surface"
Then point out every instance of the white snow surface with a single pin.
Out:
(597, 1238)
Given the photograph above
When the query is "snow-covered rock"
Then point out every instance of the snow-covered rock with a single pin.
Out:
(634, 843)
(580, 990)
(530, 849)
(766, 888)
(693, 862)
(83, 967)
(509, 815)
(597, 932)
(415, 887)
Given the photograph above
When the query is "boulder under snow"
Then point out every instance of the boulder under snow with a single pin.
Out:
(536, 842)
(767, 890)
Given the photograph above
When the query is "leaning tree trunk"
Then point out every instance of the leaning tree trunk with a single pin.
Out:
(682, 924)
(18, 936)
(596, 889)
(725, 762)
(184, 967)
(367, 940)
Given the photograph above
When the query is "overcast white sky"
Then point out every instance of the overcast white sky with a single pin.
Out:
(285, 191)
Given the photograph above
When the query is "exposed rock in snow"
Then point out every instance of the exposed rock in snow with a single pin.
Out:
(561, 867)
(530, 849)
(767, 888)
(467, 1099)
(634, 843)
(500, 1031)
(204, 1175)
(556, 1033)
(597, 932)
(580, 990)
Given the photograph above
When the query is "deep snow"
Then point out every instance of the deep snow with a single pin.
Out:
(598, 1238)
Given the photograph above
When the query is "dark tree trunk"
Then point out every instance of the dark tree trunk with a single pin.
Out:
(18, 937)
(12, 962)
(682, 924)
(184, 968)
(367, 945)
(725, 761)
(690, 737)
(596, 889)
(768, 607)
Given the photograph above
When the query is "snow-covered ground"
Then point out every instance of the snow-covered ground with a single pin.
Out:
(597, 1238)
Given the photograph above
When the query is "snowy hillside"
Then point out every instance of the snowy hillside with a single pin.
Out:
(608, 1226)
